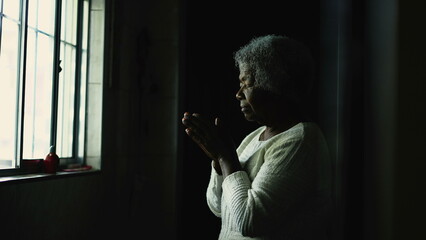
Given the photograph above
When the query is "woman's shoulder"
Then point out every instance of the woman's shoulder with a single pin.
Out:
(301, 140)
(301, 133)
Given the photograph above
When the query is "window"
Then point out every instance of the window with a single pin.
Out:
(44, 82)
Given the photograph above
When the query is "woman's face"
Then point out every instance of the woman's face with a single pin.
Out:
(254, 101)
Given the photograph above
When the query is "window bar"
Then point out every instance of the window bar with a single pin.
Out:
(79, 49)
(1, 21)
(34, 102)
(88, 36)
(56, 67)
(21, 81)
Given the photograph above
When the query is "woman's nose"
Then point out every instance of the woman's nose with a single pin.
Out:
(239, 95)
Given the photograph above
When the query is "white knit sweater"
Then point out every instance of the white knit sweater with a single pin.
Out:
(283, 192)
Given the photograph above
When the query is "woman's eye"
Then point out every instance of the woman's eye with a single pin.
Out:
(249, 85)
(246, 85)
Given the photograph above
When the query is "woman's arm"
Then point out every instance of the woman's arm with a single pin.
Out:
(214, 192)
(284, 180)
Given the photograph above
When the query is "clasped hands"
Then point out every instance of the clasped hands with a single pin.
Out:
(214, 140)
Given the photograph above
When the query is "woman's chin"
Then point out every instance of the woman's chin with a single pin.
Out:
(249, 117)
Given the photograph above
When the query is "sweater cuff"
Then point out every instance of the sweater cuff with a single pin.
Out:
(216, 180)
(235, 187)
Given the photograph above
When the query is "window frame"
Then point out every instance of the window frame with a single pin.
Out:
(26, 166)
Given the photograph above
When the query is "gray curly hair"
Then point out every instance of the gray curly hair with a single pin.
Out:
(279, 64)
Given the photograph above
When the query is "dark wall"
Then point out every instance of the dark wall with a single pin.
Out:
(211, 33)
(409, 180)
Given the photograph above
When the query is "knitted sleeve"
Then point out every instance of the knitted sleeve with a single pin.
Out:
(285, 178)
(214, 192)
(214, 188)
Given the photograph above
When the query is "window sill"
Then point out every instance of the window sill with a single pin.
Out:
(45, 176)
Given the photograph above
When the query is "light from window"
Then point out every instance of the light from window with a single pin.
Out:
(41, 105)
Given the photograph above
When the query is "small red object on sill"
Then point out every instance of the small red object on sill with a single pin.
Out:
(51, 162)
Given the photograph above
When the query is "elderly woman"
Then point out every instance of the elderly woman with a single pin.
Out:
(277, 183)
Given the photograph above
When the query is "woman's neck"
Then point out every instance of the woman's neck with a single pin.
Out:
(281, 117)
(279, 126)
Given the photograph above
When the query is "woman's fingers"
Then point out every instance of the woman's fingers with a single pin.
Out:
(210, 136)
(197, 124)
(217, 122)
(197, 138)
(200, 141)
(194, 127)
(188, 121)
(194, 136)
(200, 126)
(200, 122)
